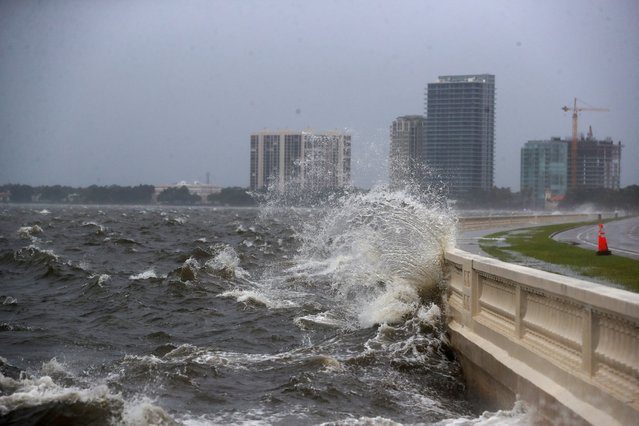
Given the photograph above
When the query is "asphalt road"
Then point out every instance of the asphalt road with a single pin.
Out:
(622, 237)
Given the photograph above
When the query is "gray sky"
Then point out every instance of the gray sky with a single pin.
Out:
(150, 91)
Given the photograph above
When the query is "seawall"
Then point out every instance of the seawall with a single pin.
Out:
(567, 346)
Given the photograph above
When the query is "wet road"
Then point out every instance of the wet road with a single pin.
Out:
(622, 237)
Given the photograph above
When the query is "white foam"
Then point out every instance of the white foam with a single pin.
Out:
(259, 298)
(520, 415)
(380, 251)
(228, 261)
(430, 315)
(8, 300)
(36, 391)
(31, 392)
(323, 319)
(142, 412)
(363, 421)
(145, 275)
(88, 224)
(32, 250)
(29, 231)
(53, 367)
(177, 220)
(390, 306)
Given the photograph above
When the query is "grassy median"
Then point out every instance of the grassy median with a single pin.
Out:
(537, 243)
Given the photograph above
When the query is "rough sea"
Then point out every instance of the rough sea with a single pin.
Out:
(276, 315)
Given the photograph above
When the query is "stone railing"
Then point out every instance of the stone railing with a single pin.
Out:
(568, 346)
(484, 222)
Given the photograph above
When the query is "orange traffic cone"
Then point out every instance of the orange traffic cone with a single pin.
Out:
(602, 249)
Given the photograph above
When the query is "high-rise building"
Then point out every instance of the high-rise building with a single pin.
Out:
(314, 161)
(460, 131)
(598, 164)
(545, 171)
(406, 149)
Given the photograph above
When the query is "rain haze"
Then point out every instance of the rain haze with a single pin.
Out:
(132, 92)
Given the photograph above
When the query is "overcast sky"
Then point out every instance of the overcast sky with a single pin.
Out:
(150, 91)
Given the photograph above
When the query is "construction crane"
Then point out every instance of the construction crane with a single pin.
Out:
(573, 147)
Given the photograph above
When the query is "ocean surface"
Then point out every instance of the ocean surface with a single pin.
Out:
(272, 315)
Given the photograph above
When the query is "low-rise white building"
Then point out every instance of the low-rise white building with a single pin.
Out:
(195, 188)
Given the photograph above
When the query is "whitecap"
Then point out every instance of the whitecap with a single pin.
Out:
(29, 231)
(521, 414)
(142, 411)
(363, 421)
(8, 300)
(391, 306)
(143, 359)
(325, 319)
(227, 262)
(430, 315)
(178, 220)
(247, 296)
(146, 275)
(189, 269)
(91, 224)
(32, 392)
(39, 391)
(101, 279)
(257, 298)
(53, 367)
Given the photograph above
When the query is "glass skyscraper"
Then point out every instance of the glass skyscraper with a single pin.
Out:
(460, 131)
(544, 170)
(545, 167)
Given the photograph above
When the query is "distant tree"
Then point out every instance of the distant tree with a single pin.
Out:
(175, 195)
(20, 193)
(233, 196)
(501, 198)
(143, 193)
(55, 193)
(624, 199)
(115, 194)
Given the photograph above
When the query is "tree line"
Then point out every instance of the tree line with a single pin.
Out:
(626, 199)
(115, 194)
(497, 198)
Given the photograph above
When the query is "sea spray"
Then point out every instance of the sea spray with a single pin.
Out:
(379, 252)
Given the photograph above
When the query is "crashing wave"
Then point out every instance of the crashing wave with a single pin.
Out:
(189, 270)
(40, 400)
(226, 263)
(29, 231)
(379, 252)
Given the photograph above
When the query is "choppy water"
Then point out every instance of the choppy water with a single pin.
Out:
(159, 315)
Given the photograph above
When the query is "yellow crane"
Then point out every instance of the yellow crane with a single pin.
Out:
(573, 147)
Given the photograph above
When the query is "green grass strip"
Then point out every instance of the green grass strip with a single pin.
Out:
(537, 243)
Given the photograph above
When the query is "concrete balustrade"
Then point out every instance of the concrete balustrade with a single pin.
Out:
(485, 222)
(567, 346)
